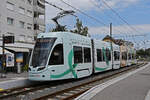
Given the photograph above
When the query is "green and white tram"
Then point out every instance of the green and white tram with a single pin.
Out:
(65, 55)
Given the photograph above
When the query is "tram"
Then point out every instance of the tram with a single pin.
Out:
(66, 55)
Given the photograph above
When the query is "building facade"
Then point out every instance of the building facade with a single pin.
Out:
(23, 19)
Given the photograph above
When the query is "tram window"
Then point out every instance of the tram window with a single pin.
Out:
(87, 55)
(99, 55)
(116, 55)
(133, 57)
(108, 54)
(41, 51)
(124, 55)
(129, 56)
(57, 56)
(78, 58)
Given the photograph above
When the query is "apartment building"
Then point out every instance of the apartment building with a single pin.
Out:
(23, 19)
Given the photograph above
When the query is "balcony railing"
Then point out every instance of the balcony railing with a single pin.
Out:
(39, 10)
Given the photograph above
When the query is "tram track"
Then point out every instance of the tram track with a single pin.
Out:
(73, 92)
(8, 93)
(65, 93)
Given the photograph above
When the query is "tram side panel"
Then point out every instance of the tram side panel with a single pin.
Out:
(63, 69)
(116, 56)
(134, 56)
(130, 49)
(82, 59)
(77, 58)
(123, 59)
(102, 55)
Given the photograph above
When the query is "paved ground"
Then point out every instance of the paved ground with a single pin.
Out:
(14, 80)
(134, 87)
(13, 76)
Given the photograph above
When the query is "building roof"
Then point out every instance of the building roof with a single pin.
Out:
(117, 41)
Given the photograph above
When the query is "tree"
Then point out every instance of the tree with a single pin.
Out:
(84, 31)
(143, 53)
(80, 29)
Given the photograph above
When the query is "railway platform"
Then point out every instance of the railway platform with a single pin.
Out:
(13, 80)
(134, 85)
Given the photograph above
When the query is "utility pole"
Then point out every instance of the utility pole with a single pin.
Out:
(3, 59)
(111, 45)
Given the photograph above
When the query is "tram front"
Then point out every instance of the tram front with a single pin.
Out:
(39, 58)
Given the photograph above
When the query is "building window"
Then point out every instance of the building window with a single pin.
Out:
(87, 55)
(10, 6)
(30, 38)
(99, 55)
(78, 58)
(11, 34)
(42, 16)
(29, 13)
(57, 56)
(21, 24)
(29, 26)
(10, 21)
(42, 28)
(22, 37)
(21, 10)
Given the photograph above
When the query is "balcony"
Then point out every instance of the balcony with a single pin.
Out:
(39, 10)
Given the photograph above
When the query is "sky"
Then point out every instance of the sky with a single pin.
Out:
(135, 12)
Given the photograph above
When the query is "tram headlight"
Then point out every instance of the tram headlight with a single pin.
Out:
(41, 68)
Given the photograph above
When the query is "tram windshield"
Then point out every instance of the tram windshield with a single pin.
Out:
(41, 51)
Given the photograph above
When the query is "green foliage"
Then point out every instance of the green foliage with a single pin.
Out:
(25, 68)
(143, 53)
(80, 29)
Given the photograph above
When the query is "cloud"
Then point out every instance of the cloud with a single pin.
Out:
(118, 3)
(140, 39)
(140, 30)
(85, 5)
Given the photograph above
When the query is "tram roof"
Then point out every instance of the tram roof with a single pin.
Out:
(60, 34)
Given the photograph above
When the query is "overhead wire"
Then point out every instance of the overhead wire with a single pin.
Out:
(82, 12)
(98, 6)
(91, 17)
(117, 14)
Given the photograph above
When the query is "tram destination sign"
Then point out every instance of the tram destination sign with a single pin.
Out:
(8, 39)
